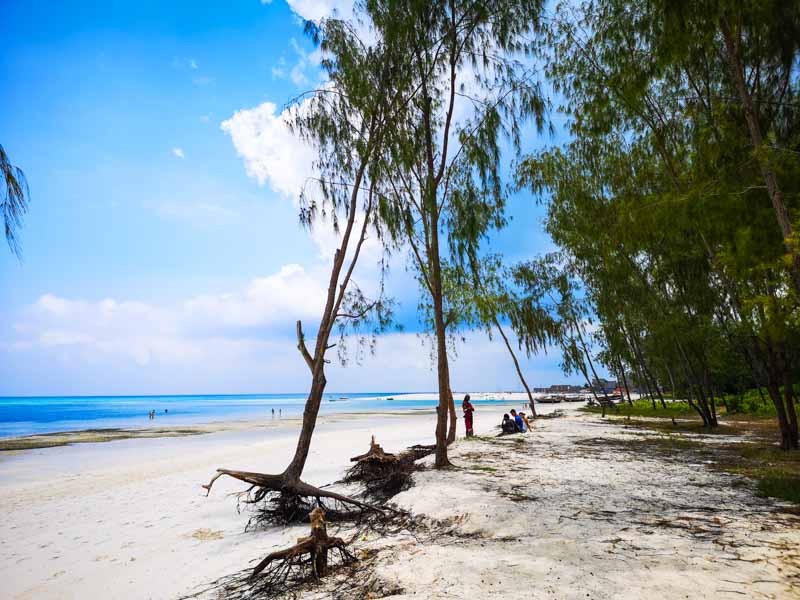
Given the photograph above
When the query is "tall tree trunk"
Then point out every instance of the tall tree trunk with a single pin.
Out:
(671, 381)
(443, 371)
(701, 406)
(648, 374)
(295, 468)
(516, 364)
(625, 381)
(736, 68)
(588, 356)
(791, 413)
(582, 366)
(451, 426)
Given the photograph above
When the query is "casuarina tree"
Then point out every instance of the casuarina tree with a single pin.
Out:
(346, 121)
(469, 84)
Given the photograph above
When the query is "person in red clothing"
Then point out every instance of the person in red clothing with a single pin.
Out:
(468, 409)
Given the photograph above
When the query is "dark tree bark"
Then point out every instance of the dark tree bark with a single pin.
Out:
(733, 57)
(625, 381)
(516, 365)
(442, 368)
(453, 419)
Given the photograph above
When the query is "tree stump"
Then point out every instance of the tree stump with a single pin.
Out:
(316, 545)
(375, 453)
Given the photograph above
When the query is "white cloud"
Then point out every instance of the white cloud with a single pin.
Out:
(315, 10)
(271, 153)
(290, 294)
(123, 347)
(192, 64)
(178, 152)
(233, 342)
(188, 332)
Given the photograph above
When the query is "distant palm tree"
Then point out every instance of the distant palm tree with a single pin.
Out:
(16, 197)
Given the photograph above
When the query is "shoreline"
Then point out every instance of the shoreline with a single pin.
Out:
(111, 434)
(59, 438)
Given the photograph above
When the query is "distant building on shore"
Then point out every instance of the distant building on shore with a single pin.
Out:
(604, 385)
(561, 388)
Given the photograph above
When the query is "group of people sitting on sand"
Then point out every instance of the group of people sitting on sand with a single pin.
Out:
(516, 423)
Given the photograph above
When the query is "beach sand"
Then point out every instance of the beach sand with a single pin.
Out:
(562, 512)
(128, 519)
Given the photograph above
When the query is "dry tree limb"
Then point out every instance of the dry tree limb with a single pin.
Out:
(289, 499)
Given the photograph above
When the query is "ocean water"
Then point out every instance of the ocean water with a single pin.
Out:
(30, 415)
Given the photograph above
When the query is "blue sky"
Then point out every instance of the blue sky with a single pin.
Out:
(162, 253)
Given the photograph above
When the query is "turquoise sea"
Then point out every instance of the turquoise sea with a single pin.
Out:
(29, 415)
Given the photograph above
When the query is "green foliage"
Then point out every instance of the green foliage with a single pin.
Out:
(779, 484)
(749, 403)
(443, 174)
(659, 202)
(14, 200)
(644, 408)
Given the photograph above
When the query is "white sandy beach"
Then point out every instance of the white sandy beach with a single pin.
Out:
(129, 519)
(553, 515)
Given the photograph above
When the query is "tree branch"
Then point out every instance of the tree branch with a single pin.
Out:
(301, 345)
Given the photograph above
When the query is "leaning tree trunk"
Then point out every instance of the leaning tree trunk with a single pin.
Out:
(788, 394)
(589, 360)
(736, 68)
(295, 468)
(621, 367)
(288, 484)
(452, 419)
(516, 364)
(444, 389)
(442, 367)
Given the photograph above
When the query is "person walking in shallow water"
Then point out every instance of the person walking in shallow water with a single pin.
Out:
(468, 409)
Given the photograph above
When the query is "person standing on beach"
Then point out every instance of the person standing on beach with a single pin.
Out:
(468, 409)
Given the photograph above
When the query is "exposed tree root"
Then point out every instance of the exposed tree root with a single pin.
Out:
(283, 500)
(383, 474)
(283, 571)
